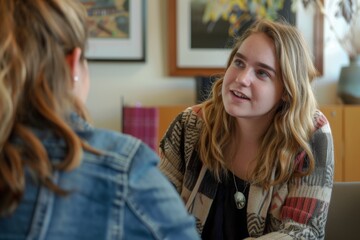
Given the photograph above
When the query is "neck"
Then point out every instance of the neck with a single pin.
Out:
(244, 146)
(251, 130)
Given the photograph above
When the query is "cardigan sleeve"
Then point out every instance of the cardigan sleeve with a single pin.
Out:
(171, 161)
(305, 209)
(178, 144)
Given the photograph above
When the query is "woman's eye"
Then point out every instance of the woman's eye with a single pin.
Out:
(263, 74)
(238, 62)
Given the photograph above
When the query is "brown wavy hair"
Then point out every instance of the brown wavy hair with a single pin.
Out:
(293, 121)
(36, 90)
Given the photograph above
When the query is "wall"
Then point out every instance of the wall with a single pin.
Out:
(138, 83)
(148, 84)
(334, 58)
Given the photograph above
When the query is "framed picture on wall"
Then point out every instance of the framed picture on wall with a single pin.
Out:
(200, 40)
(116, 30)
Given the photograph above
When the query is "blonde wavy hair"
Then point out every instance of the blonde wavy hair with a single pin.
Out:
(36, 90)
(292, 126)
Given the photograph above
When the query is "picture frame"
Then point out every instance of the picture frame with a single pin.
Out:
(184, 61)
(116, 33)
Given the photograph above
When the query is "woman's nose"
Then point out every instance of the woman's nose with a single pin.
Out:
(244, 77)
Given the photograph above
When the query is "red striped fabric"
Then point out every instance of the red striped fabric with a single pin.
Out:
(299, 209)
(143, 123)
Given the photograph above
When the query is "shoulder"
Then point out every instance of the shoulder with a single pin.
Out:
(117, 149)
(321, 143)
(322, 140)
(112, 141)
(191, 117)
(187, 124)
(322, 132)
(321, 122)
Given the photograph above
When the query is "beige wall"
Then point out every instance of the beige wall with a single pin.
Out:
(148, 84)
(334, 58)
(144, 83)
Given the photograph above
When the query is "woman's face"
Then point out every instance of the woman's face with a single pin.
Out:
(252, 85)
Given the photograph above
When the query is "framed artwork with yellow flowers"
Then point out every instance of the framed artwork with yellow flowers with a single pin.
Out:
(201, 32)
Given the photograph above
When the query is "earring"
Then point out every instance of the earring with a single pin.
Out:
(76, 78)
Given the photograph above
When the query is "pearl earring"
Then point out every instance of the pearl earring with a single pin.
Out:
(76, 78)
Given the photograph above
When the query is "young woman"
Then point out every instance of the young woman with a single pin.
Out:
(256, 158)
(61, 178)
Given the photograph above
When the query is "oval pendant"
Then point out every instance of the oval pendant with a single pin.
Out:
(240, 200)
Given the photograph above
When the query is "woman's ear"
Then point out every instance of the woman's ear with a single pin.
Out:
(73, 60)
(79, 72)
(285, 96)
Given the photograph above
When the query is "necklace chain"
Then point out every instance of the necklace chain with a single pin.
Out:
(236, 184)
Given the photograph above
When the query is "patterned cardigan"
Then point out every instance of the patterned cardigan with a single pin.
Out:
(296, 209)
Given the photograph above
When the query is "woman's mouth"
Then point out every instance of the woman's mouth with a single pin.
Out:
(240, 95)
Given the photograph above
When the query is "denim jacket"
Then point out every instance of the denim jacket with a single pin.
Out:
(120, 194)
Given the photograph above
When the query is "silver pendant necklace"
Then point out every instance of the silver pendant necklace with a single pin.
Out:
(239, 197)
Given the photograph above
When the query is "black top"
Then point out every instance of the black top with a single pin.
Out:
(225, 221)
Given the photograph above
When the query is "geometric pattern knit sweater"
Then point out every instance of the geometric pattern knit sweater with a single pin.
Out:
(296, 209)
